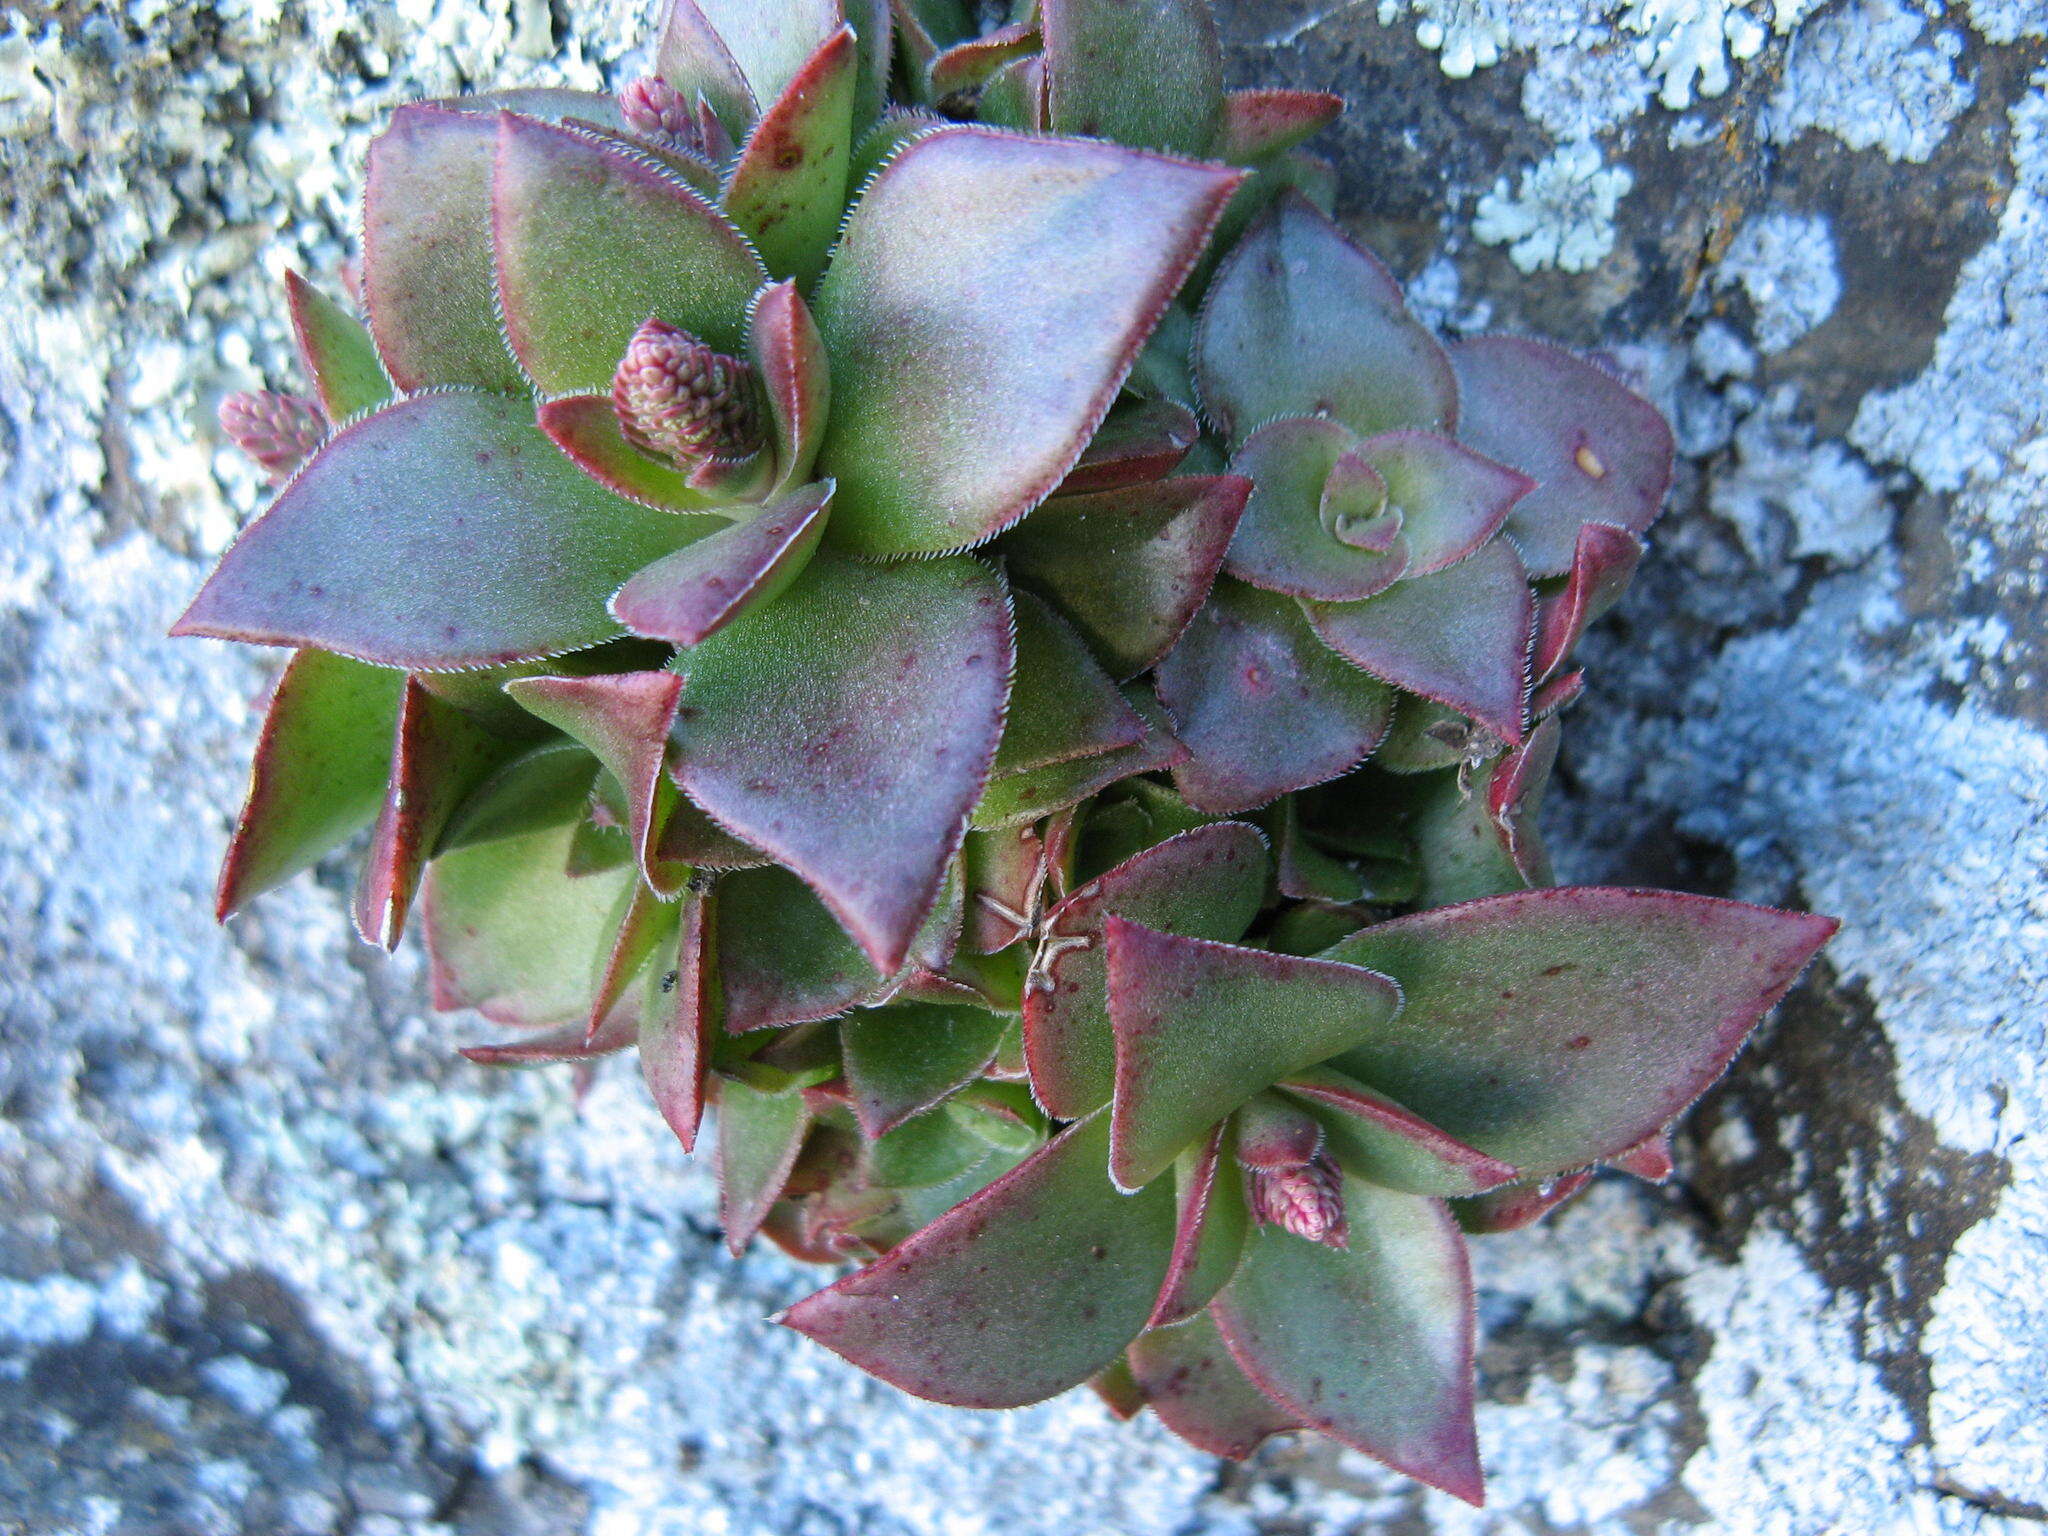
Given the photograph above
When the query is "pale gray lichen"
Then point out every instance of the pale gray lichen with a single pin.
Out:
(1560, 212)
(1865, 75)
(1785, 262)
(1688, 45)
(1787, 497)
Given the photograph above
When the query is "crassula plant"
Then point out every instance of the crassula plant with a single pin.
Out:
(904, 567)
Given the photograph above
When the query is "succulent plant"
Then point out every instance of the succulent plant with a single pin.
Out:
(911, 572)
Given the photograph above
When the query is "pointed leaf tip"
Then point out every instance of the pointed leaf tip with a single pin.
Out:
(690, 595)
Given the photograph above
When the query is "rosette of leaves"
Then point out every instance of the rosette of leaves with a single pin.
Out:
(909, 570)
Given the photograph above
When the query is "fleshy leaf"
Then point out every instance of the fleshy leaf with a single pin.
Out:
(1198, 1391)
(965, 65)
(1603, 560)
(903, 1059)
(444, 531)
(1479, 837)
(546, 786)
(1514, 1206)
(1370, 1344)
(1208, 883)
(586, 428)
(926, 1150)
(339, 357)
(591, 241)
(624, 718)
(1142, 72)
(645, 927)
(1028, 1288)
(1257, 125)
(1301, 322)
(1210, 1223)
(1460, 637)
(512, 935)
(1649, 1159)
(1025, 797)
(1006, 871)
(1598, 451)
(847, 729)
(318, 776)
(1284, 543)
(1557, 1028)
(695, 592)
(1062, 705)
(770, 43)
(1377, 1139)
(679, 1024)
(1202, 1026)
(1117, 1392)
(1014, 96)
(759, 1136)
(787, 191)
(428, 279)
(439, 755)
(1263, 705)
(789, 358)
(986, 299)
(1451, 499)
(1130, 566)
(692, 56)
(784, 959)
(1138, 442)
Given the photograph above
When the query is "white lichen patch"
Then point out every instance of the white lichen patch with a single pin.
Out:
(1578, 92)
(1560, 212)
(1785, 263)
(1688, 45)
(1872, 76)
(1790, 498)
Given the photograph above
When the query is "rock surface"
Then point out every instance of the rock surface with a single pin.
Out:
(273, 1261)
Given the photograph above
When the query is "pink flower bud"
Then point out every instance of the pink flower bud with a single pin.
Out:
(1307, 1200)
(279, 432)
(655, 109)
(679, 400)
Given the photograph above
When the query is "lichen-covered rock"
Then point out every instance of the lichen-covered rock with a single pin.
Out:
(274, 1262)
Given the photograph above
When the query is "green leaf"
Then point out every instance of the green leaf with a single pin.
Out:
(1189, 1380)
(441, 532)
(1140, 441)
(766, 45)
(1451, 499)
(759, 1136)
(428, 280)
(1479, 837)
(339, 357)
(1262, 705)
(787, 191)
(1026, 797)
(783, 958)
(1300, 322)
(679, 1023)
(1371, 1345)
(1558, 1028)
(1379, 1140)
(1202, 1026)
(690, 595)
(691, 55)
(1258, 125)
(1208, 883)
(847, 729)
(927, 1149)
(1129, 566)
(1025, 1290)
(1062, 705)
(1514, 1206)
(903, 1059)
(512, 935)
(1210, 1223)
(1284, 542)
(1143, 72)
(586, 428)
(986, 300)
(592, 240)
(546, 786)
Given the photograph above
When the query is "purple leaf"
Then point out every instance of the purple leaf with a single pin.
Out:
(648, 924)
(339, 357)
(439, 755)
(1138, 442)
(1479, 837)
(1189, 1380)
(1557, 1028)
(1598, 451)
(1210, 1222)
(428, 279)
(319, 773)
(586, 428)
(965, 65)
(1460, 637)
(567, 1042)
(1262, 705)
(767, 44)
(1062, 704)
(787, 191)
(1371, 1344)
(1372, 1136)
(1006, 871)
(1202, 1026)
(678, 1026)
(1649, 1159)
(1301, 322)
(442, 532)
(1257, 125)
(1130, 566)
(1515, 1206)
(847, 730)
(783, 958)
(1451, 499)
(693, 58)
(1148, 73)
(789, 358)
(1286, 542)
(624, 719)
(592, 240)
(1026, 1289)
(759, 1136)
(1209, 883)
(695, 592)
(986, 300)
(903, 1059)
(1603, 561)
